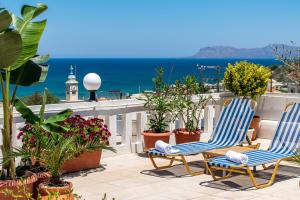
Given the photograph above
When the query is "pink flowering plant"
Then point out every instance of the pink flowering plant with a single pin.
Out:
(90, 133)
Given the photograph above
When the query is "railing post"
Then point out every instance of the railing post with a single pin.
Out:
(208, 120)
(217, 113)
(111, 122)
(141, 120)
(180, 122)
(127, 129)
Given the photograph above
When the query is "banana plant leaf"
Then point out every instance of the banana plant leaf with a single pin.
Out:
(10, 47)
(25, 112)
(31, 12)
(5, 20)
(50, 124)
(61, 116)
(28, 74)
(53, 128)
(31, 32)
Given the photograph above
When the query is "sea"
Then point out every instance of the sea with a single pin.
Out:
(128, 75)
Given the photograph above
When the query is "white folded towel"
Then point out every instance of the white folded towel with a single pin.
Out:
(236, 157)
(165, 147)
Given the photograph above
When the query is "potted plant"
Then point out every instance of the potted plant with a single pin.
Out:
(44, 141)
(91, 135)
(158, 106)
(19, 65)
(36, 125)
(247, 80)
(188, 102)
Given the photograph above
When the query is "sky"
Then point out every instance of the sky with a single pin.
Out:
(161, 28)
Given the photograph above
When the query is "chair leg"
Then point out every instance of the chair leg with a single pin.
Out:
(214, 176)
(188, 169)
(161, 167)
(270, 182)
(265, 167)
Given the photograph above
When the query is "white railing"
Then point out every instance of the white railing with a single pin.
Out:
(126, 119)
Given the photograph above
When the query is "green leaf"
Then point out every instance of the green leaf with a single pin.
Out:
(31, 33)
(54, 128)
(10, 48)
(30, 12)
(61, 116)
(5, 20)
(29, 74)
(25, 112)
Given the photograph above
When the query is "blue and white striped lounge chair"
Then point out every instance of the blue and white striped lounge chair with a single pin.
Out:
(283, 146)
(230, 130)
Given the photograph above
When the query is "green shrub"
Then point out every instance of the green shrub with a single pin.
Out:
(246, 79)
(37, 99)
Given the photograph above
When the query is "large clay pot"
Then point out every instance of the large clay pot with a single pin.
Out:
(255, 124)
(51, 192)
(22, 188)
(184, 136)
(150, 138)
(86, 160)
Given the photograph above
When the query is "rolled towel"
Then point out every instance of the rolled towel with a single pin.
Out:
(236, 157)
(165, 147)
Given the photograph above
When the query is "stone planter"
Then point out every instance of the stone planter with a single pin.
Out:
(86, 160)
(255, 124)
(150, 138)
(22, 188)
(184, 136)
(51, 192)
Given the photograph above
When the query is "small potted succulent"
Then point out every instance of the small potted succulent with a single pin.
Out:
(188, 103)
(91, 135)
(158, 107)
(247, 80)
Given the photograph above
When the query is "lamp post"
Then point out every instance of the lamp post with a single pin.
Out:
(92, 83)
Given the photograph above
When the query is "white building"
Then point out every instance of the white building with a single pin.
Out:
(71, 87)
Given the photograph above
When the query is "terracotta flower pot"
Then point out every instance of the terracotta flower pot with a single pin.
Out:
(255, 124)
(184, 136)
(150, 138)
(22, 188)
(86, 160)
(64, 192)
(41, 177)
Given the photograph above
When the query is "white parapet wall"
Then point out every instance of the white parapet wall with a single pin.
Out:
(126, 119)
(270, 107)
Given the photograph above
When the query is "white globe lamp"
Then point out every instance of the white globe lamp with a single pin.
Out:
(92, 83)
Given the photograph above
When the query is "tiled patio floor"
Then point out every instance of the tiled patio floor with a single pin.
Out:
(131, 177)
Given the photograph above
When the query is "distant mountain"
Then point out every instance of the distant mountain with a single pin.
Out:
(232, 52)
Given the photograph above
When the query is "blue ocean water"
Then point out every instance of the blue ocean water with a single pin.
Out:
(127, 75)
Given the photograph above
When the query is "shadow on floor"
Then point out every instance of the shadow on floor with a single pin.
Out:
(175, 171)
(242, 182)
(85, 172)
(143, 155)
